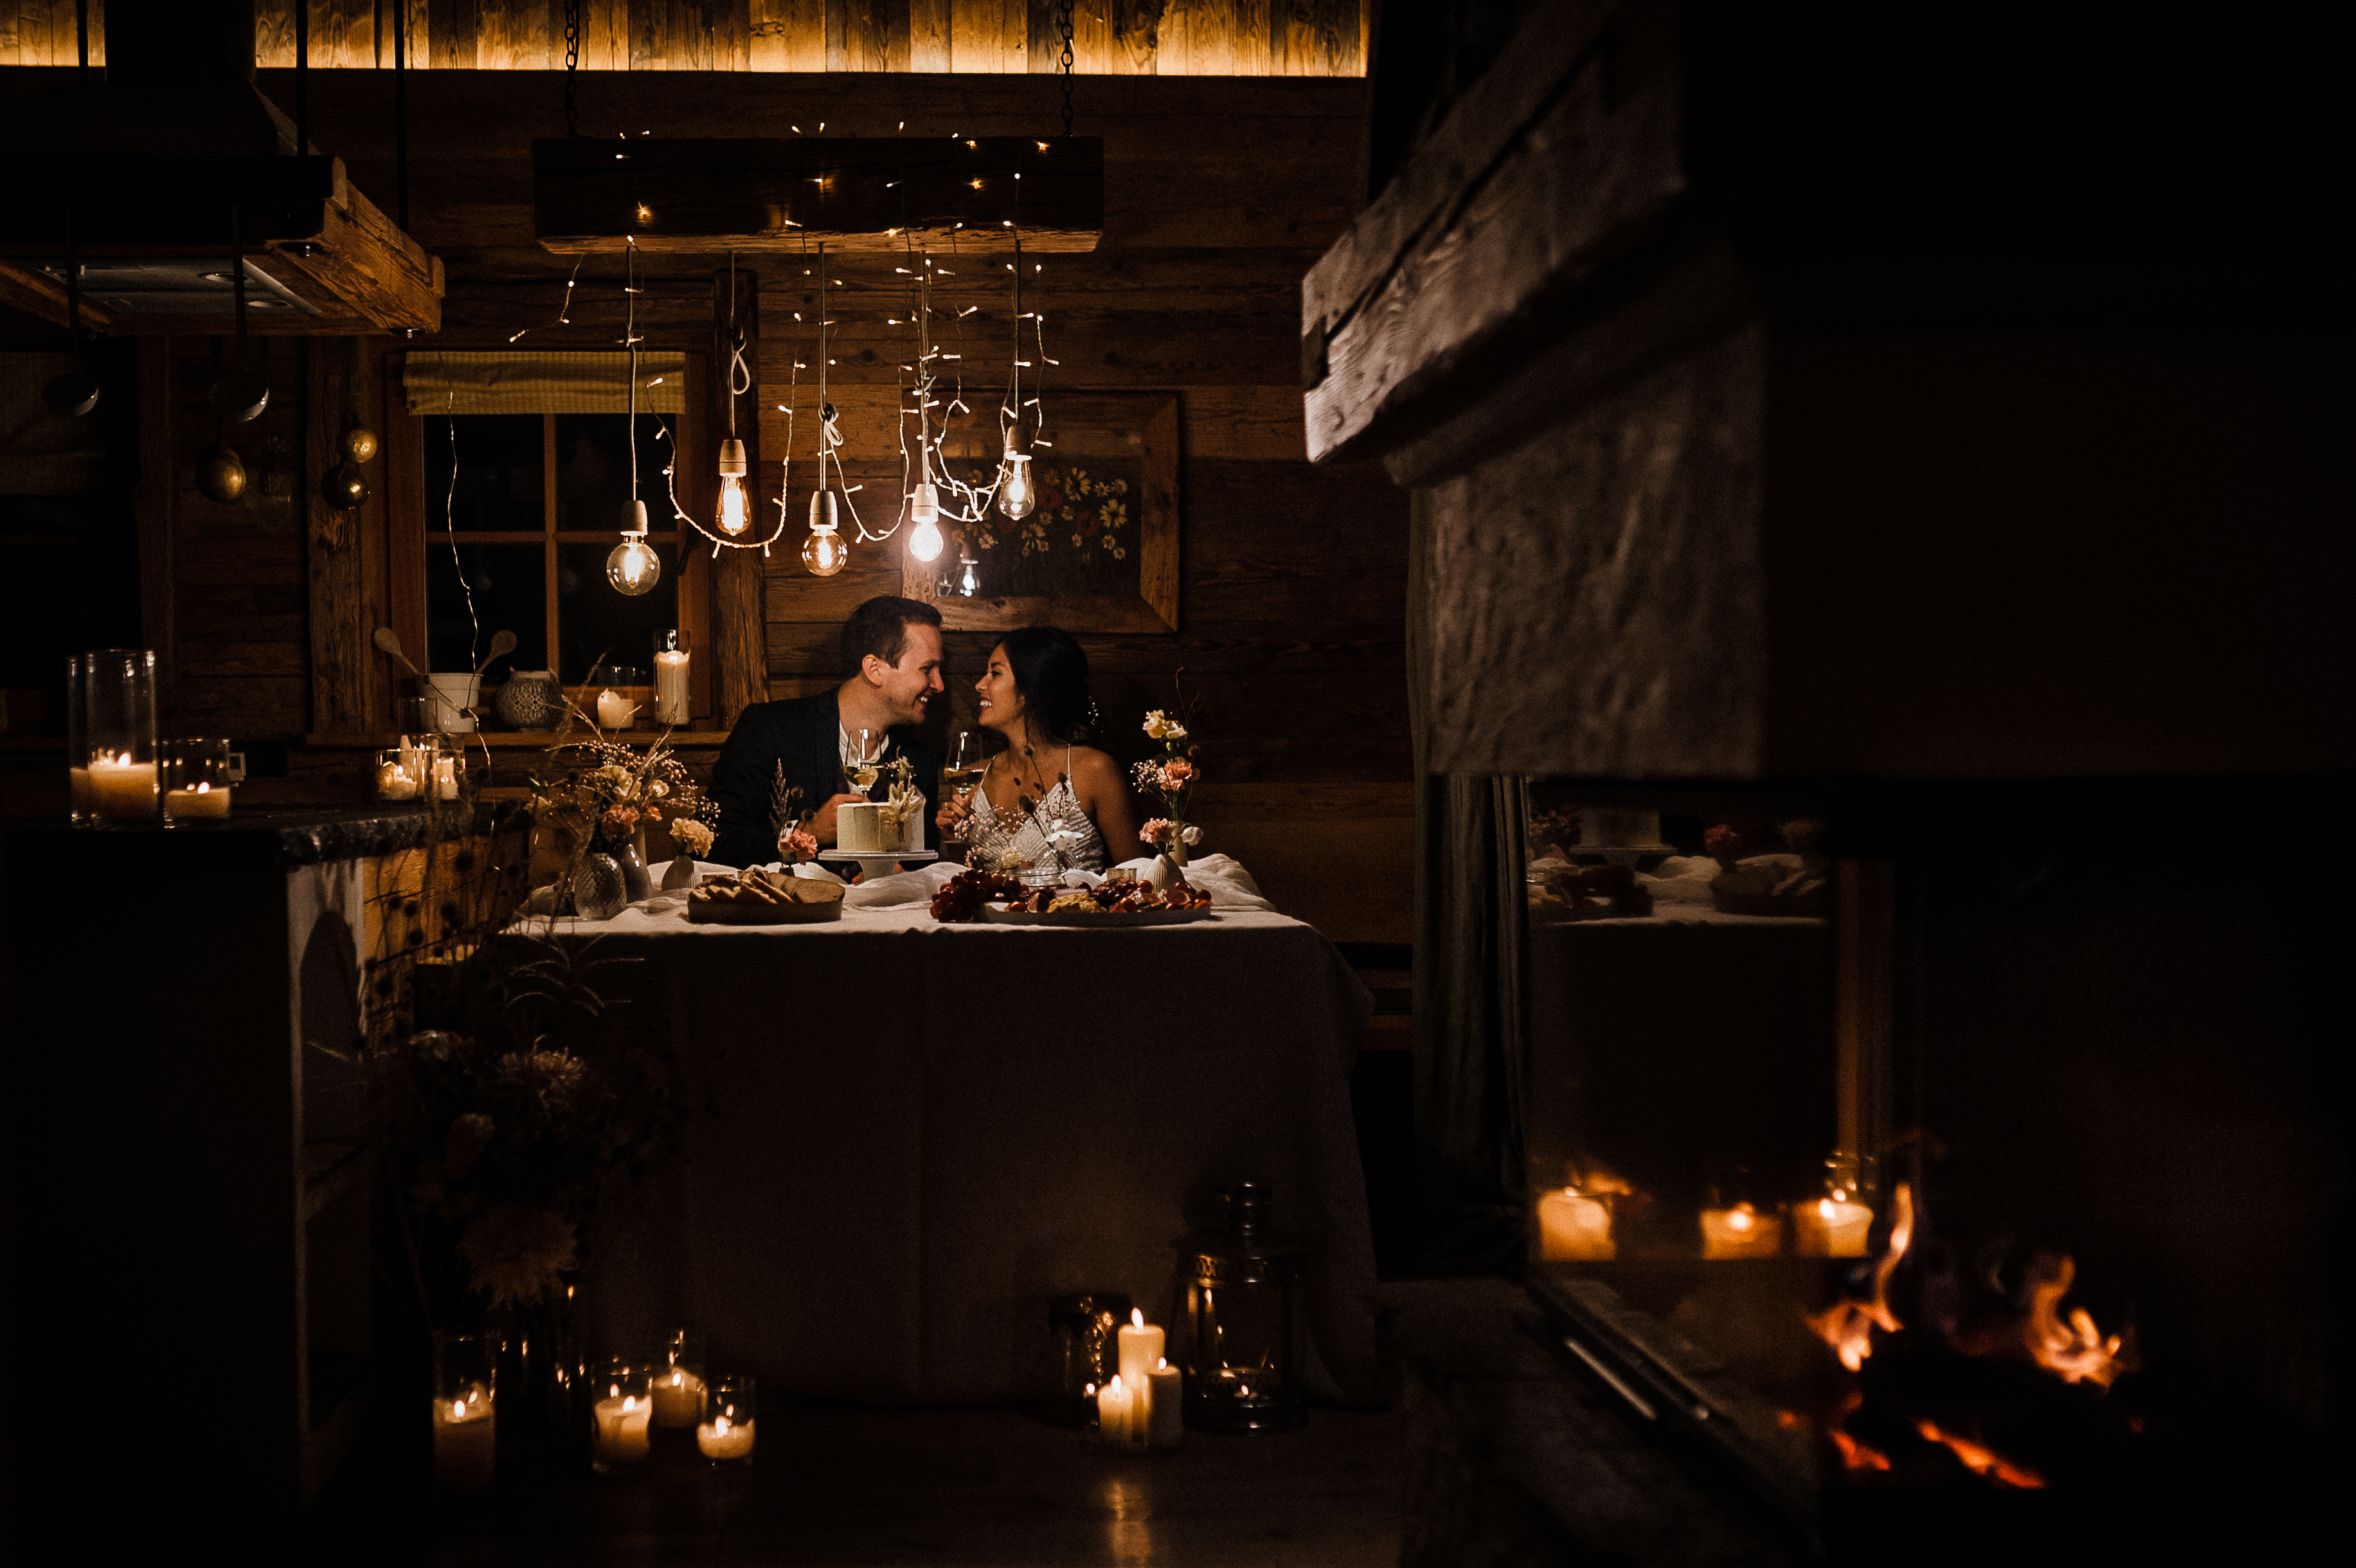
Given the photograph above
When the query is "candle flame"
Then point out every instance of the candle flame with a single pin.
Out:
(677, 1380)
(457, 1409)
(1136, 1318)
(1114, 1386)
(1161, 1363)
(1825, 1207)
(629, 1403)
(1739, 1217)
(720, 1427)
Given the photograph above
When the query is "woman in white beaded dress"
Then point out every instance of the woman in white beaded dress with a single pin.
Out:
(1045, 801)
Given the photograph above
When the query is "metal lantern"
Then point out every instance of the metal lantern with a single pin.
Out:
(1083, 1352)
(1240, 1329)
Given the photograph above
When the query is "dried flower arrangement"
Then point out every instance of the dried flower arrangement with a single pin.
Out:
(1169, 780)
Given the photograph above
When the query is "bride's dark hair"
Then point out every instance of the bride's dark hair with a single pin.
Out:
(1051, 672)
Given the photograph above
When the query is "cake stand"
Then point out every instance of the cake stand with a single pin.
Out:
(870, 859)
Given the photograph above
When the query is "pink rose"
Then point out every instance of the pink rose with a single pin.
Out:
(1155, 832)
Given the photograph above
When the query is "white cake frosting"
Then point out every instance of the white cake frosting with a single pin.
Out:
(863, 828)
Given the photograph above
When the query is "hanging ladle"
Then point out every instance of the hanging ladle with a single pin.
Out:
(243, 393)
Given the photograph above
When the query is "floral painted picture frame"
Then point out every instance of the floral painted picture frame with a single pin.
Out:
(1099, 553)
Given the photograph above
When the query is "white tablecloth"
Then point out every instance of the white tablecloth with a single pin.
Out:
(904, 1137)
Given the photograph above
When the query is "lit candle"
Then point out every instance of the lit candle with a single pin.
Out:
(204, 800)
(394, 783)
(621, 1437)
(1741, 1231)
(1573, 1229)
(1140, 1348)
(1118, 1420)
(1831, 1228)
(466, 1432)
(615, 711)
(1165, 1407)
(120, 787)
(721, 1438)
(670, 687)
(679, 1398)
(445, 777)
(416, 764)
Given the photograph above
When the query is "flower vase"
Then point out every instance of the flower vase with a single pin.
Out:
(630, 855)
(1177, 850)
(598, 891)
(1163, 874)
(680, 873)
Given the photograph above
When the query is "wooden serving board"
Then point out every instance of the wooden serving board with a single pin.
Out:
(744, 913)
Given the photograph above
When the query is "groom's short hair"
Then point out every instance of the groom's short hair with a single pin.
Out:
(879, 627)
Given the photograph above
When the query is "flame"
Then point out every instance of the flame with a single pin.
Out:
(1739, 1217)
(1847, 1325)
(1855, 1456)
(457, 1409)
(1995, 1466)
(2074, 1351)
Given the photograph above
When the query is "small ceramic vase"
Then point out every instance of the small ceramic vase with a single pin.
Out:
(635, 880)
(1163, 874)
(680, 873)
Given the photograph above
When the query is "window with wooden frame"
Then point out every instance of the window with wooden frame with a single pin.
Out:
(515, 493)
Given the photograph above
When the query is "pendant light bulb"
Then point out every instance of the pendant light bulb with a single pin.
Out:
(1015, 497)
(633, 568)
(733, 514)
(824, 553)
(924, 524)
(969, 579)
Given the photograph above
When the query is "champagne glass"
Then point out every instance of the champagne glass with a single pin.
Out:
(865, 768)
(958, 779)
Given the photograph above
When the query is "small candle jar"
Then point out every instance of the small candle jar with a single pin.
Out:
(1574, 1227)
(1735, 1225)
(724, 1433)
(393, 780)
(1839, 1222)
(620, 1413)
(466, 1412)
(195, 780)
(678, 1387)
(118, 734)
(617, 705)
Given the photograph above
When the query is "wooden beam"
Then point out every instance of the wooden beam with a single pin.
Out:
(880, 193)
(739, 655)
(340, 635)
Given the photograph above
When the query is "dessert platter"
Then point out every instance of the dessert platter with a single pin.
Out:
(765, 899)
(999, 898)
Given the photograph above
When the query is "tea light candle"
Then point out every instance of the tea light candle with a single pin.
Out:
(721, 1438)
(1831, 1228)
(1119, 1419)
(621, 1436)
(670, 687)
(1140, 1348)
(204, 800)
(1573, 1229)
(465, 1443)
(120, 787)
(615, 711)
(1165, 1407)
(1741, 1231)
(445, 777)
(679, 1398)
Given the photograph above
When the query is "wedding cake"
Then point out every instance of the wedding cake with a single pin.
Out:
(1614, 827)
(871, 827)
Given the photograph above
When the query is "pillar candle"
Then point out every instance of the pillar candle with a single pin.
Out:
(670, 688)
(1140, 1348)
(204, 800)
(615, 711)
(445, 777)
(721, 1438)
(465, 1444)
(1165, 1407)
(1741, 1231)
(1119, 1419)
(621, 1436)
(416, 766)
(120, 787)
(1830, 1228)
(1573, 1229)
(679, 1398)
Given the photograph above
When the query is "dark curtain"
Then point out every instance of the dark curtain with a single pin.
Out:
(1471, 912)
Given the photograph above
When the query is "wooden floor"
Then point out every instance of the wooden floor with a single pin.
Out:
(938, 1489)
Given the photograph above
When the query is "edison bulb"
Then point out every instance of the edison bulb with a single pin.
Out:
(824, 553)
(633, 568)
(968, 580)
(1015, 498)
(924, 524)
(735, 513)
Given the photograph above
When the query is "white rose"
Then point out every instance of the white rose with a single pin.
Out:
(1193, 835)
(1174, 732)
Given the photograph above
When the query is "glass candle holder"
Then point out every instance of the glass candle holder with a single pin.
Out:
(416, 757)
(392, 780)
(1736, 1224)
(620, 1413)
(725, 1434)
(120, 734)
(196, 779)
(678, 1382)
(466, 1412)
(1839, 1221)
(1240, 1334)
(77, 806)
(616, 707)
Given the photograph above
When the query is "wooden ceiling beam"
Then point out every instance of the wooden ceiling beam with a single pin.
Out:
(855, 193)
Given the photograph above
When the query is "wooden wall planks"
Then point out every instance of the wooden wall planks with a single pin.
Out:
(1110, 38)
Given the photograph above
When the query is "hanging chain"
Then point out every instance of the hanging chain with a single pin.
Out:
(1065, 20)
(571, 67)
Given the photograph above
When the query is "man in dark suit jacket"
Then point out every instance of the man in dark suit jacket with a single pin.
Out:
(893, 646)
